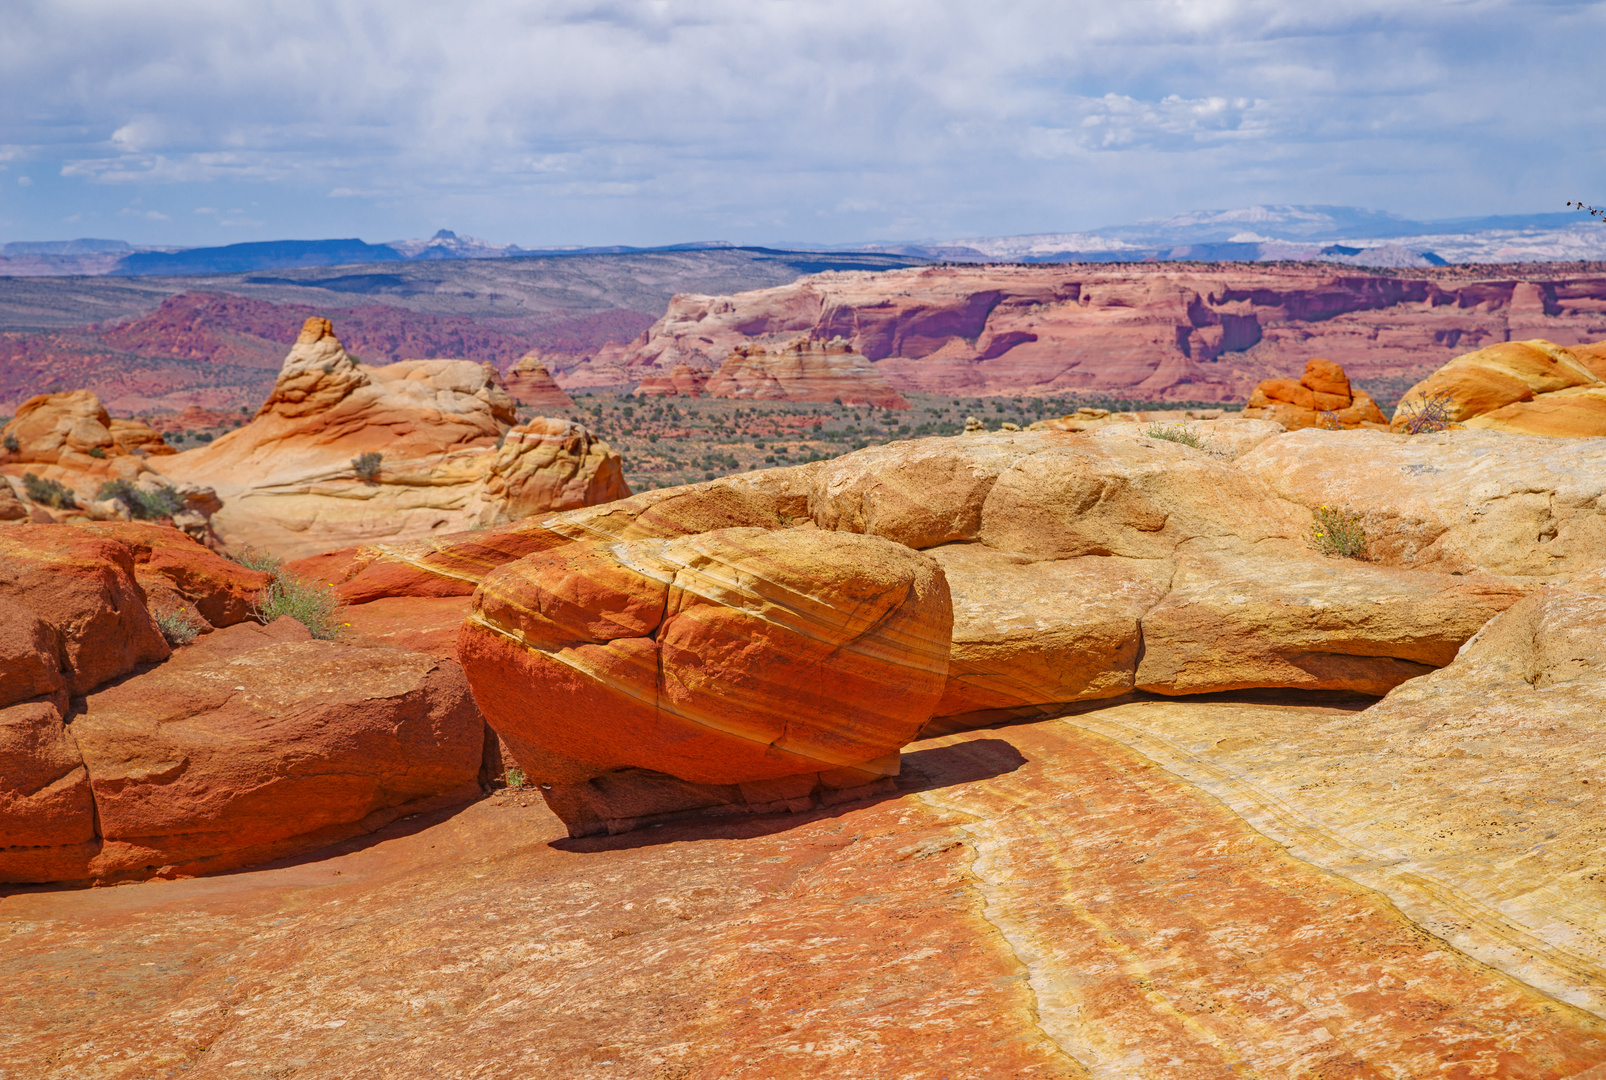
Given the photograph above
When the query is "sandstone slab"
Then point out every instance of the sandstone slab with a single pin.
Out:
(1031, 636)
(1456, 502)
(1285, 618)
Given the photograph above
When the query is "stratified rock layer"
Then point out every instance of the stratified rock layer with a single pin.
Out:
(737, 655)
(530, 383)
(448, 455)
(1153, 332)
(804, 371)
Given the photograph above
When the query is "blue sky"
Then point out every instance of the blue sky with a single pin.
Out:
(572, 122)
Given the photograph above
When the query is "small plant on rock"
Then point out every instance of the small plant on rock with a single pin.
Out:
(12, 445)
(256, 559)
(179, 627)
(516, 778)
(1177, 433)
(366, 466)
(144, 504)
(312, 605)
(1337, 532)
(51, 493)
(1430, 414)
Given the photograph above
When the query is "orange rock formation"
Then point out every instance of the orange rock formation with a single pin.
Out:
(1525, 387)
(1323, 397)
(530, 383)
(684, 381)
(70, 440)
(812, 656)
(449, 457)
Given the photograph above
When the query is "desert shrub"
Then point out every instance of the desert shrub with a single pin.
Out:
(1337, 532)
(12, 445)
(1177, 433)
(146, 505)
(52, 493)
(366, 466)
(1428, 415)
(516, 778)
(96, 451)
(255, 559)
(179, 627)
(312, 605)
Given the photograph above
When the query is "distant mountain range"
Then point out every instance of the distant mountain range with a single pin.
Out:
(1338, 234)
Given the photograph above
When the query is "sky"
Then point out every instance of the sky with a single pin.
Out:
(766, 121)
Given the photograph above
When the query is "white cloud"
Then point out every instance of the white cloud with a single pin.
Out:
(25, 181)
(658, 116)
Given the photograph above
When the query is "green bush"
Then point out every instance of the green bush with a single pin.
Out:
(96, 451)
(146, 505)
(312, 605)
(366, 466)
(1337, 532)
(177, 626)
(50, 493)
(12, 445)
(255, 559)
(1177, 433)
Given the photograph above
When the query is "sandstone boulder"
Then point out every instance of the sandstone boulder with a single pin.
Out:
(1321, 398)
(732, 656)
(177, 573)
(257, 742)
(84, 588)
(550, 464)
(1030, 637)
(1528, 387)
(804, 370)
(530, 383)
(290, 479)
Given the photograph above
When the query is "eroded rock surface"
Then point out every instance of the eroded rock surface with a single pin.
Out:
(803, 370)
(1525, 387)
(731, 657)
(1155, 332)
(530, 383)
(122, 758)
(1322, 397)
(448, 455)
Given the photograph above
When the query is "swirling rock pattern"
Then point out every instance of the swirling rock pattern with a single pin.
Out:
(735, 655)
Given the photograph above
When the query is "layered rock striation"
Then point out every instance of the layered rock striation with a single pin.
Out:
(529, 381)
(438, 436)
(1209, 333)
(73, 450)
(804, 370)
(1524, 387)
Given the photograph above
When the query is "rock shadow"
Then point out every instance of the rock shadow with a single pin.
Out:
(922, 770)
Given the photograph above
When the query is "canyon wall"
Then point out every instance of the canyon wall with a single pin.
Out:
(1174, 332)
